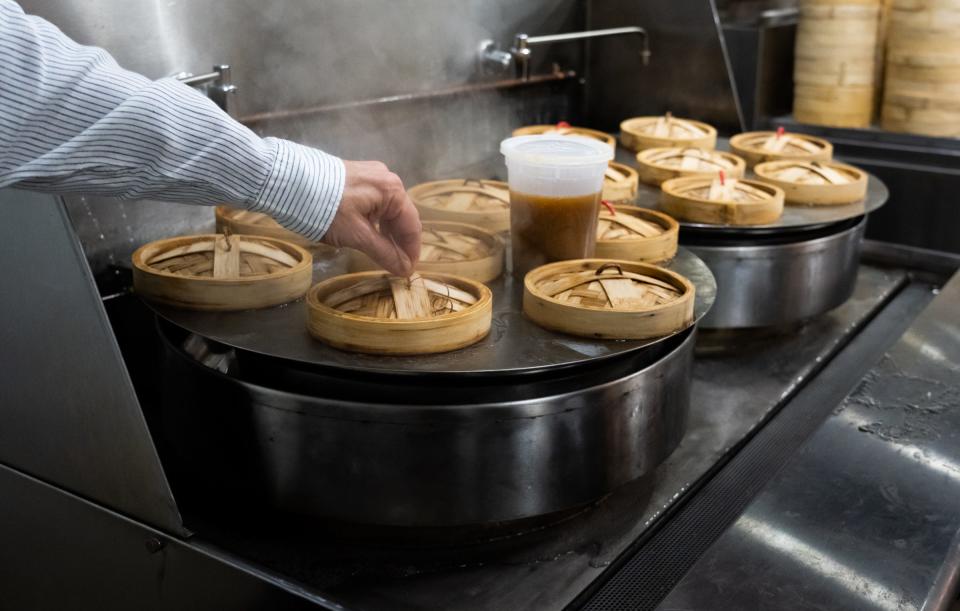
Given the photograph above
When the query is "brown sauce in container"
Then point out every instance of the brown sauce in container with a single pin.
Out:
(544, 229)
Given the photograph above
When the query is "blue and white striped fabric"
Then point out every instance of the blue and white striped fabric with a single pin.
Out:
(73, 121)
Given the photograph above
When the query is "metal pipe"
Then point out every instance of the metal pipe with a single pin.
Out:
(299, 113)
(217, 85)
(522, 43)
(200, 79)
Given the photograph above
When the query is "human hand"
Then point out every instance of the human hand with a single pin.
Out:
(374, 196)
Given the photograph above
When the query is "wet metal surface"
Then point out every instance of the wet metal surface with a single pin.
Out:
(545, 568)
(495, 451)
(762, 285)
(865, 515)
(68, 412)
(514, 345)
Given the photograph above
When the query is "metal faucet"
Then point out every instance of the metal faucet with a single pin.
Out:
(493, 59)
(217, 85)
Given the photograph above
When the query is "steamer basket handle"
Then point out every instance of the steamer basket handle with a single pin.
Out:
(607, 266)
(467, 181)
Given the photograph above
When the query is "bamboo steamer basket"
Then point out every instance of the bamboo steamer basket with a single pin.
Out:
(484, 203)
(922, 89)
(815, 182)
(245, 222)
(608, 299)
(636, 234)
(566, 130)
(838, 61)
(730, 202)
(375, 313)
(833, 105)
(620, 183)
(921, 115)
(640, 133)
(221, 272)
(457, 249)
(660, 164)
(757, 147)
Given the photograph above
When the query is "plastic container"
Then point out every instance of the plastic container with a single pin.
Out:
(555, 185)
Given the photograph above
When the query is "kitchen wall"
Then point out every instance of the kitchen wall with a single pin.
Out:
(688, 75)
(290, 55)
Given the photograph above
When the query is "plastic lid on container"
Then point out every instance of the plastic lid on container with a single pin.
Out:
(556, 150)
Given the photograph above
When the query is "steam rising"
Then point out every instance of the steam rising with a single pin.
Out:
(352, 51)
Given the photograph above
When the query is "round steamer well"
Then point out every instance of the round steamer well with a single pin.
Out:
(815, 182)
(640, 133)
(658, 165)
(757, 147)
(620, 183)
(484, 203)
(636, 234)
(456, 249)
(534, 130)
(217, 272)
(375, 313)
(245, 222)
(745, 202)
(608, 299)
(313, 413)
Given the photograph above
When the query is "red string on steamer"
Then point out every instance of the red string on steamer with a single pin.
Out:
(780, 132)
(723, 178)
(613, 211)
(562, 125)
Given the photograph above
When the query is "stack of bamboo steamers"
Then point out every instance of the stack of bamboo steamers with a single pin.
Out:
(836, 62)
(847, 51)
(625, 292)
(922, 87)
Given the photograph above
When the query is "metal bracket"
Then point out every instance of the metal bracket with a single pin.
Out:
(216, 85)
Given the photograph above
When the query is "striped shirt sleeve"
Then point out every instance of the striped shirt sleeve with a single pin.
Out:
(73, 121)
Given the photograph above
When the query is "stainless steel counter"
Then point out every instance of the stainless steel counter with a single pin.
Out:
(547, 567)
(865, 515)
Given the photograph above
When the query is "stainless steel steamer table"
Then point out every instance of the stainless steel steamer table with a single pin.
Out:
(525, 423)
(771, 275)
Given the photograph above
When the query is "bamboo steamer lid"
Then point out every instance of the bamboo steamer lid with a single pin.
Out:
(564, 129)
(245, 222)
(757, 147)
(728, 202)
(375, 313)
(484, 203)
(660, 164)
(815, 182)
(641, 133)
(608, 299)
(450, 248)
(636, 234)
(620, 183)
(221, 272)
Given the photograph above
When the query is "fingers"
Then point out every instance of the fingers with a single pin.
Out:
(403, 228)
(373, 195)
(384, 251)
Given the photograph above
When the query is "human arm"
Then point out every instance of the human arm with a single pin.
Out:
(73, 121)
